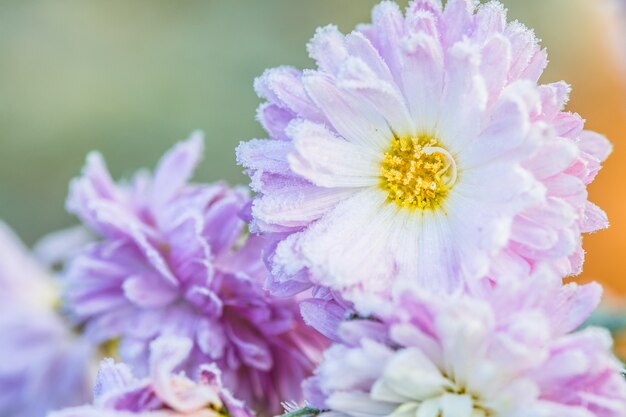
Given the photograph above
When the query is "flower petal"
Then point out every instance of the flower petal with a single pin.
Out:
(354, 120)
(328, 161)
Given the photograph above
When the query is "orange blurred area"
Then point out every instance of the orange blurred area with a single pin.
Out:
(587, 49)
(599, 79)
(620, 343)
(586, 41)
(600, 96)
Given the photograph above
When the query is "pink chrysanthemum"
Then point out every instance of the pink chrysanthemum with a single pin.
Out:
(421, 151)
(163, 393)
(173, 261)
(467, 357)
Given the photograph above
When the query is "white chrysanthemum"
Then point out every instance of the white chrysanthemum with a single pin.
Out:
(421, 150)
(465, 357)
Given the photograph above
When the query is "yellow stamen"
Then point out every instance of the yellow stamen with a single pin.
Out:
(110, 348)
(417, 173)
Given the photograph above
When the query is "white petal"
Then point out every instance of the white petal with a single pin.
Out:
(405, 410)
(285, 85)
(567, 186)
(430, 408)
(533, 235)
(353, 119)
(329, 161)
(495, 64)
(422, 79)
(266, 155)
(490, 19)
(388, 21)
(506, 131)
(355, 76)
(464, 98)
(528, 60)
(410, 335)
(594, 219)
(595, 144)
(463, 338)
(480, 211)
(358, 404)
(409, 376)
(358, 45)
(508, 185)
(456, 405)
(352, 244)
(328, 48)
(554, 97)
(428, 256)
(297, 206)
(458, 17)
(553, 158)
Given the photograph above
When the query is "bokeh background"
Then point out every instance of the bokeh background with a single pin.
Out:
(131, 78)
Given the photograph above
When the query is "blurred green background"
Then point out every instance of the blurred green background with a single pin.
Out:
(130, 78)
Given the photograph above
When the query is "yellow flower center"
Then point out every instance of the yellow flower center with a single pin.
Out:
(417, 173)
(219, 411)
(479, 409)
(110, 348)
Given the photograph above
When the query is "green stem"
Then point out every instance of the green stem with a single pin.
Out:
(303, 412)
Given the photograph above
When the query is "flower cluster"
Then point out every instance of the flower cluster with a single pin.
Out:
(174, 261)
(461, 356)
(433, 195)
(418, 204)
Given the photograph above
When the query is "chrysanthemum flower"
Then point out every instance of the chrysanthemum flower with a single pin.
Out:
(458, 356)
(420, 150)
(44, 365)
(172, 261)
(163, 393)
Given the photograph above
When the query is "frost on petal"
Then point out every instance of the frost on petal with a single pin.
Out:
(458, 18)
(274, 119)
(286, 90)
(94, 186)
(595, 145)
(356, 77)
(354, 120)
(329, 161)
(323, 315)
(327, 48)
(594, 219)
(176, 168)
(423, 79)
(112, 377)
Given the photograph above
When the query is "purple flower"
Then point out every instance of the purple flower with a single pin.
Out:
(44, 365)
(163, 393)
(173, 260)
(420, 151)
(463, 356)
